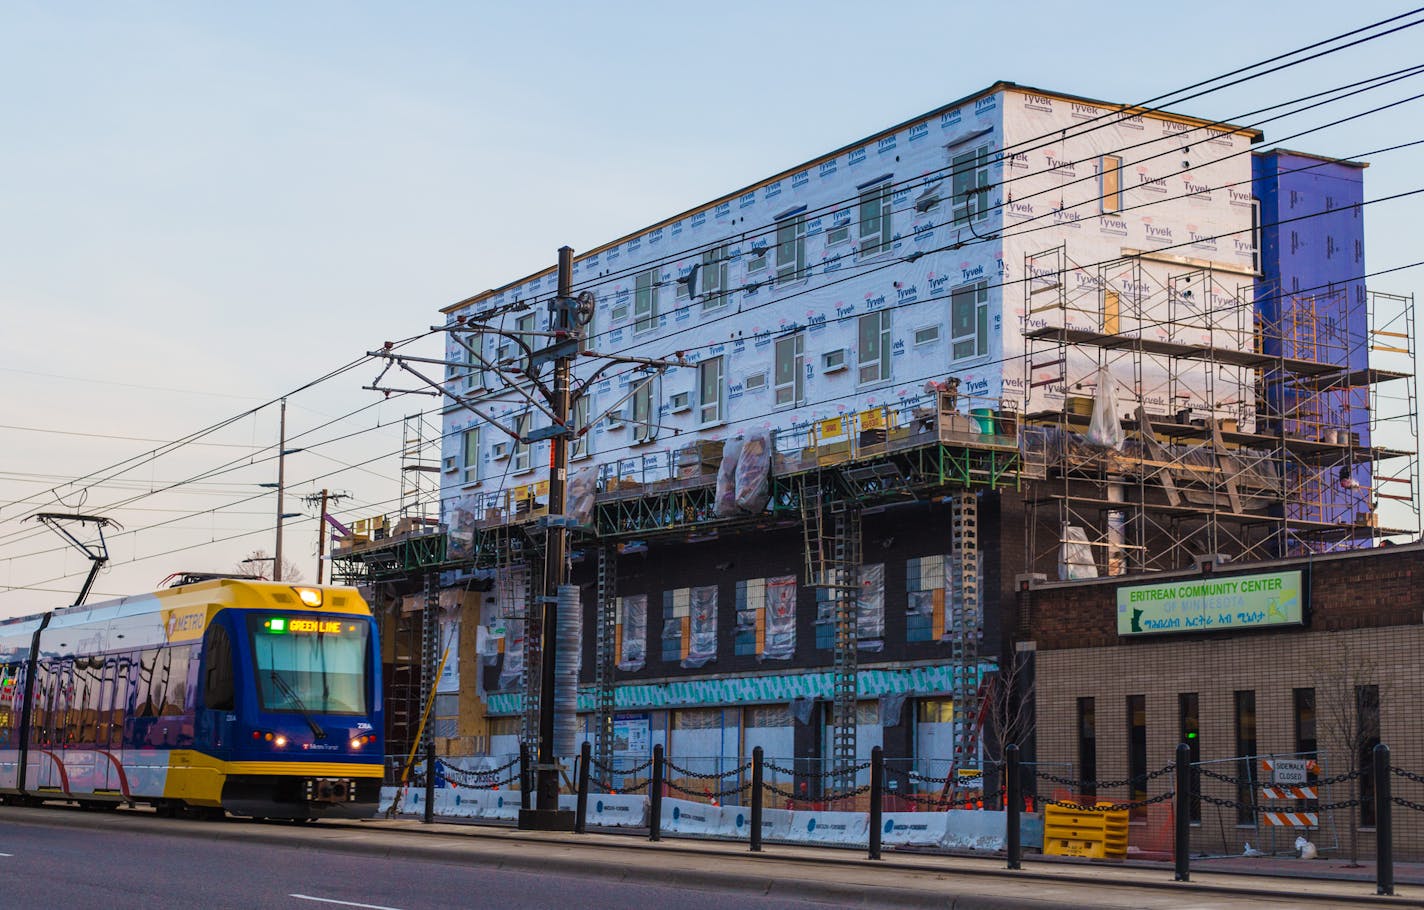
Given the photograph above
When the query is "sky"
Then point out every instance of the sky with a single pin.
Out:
(206, 206)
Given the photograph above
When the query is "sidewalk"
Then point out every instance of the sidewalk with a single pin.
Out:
(906, 878)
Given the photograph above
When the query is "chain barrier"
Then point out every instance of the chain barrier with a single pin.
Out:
(1224, 778)
(1111, 807)
(609, 769)
(993, 798)
(1339, 778)
(740, 769)
(1106, 784)
(709, 794)
(484, 777)
(1407, 803)
(817, 775)
(1247, 807)
(823, 798)
(1407, 775)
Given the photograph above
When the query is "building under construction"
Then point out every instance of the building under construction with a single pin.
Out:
(1023, 335)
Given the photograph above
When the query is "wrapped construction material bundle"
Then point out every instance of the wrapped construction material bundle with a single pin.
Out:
(754, 472)
(579, 497)
(726, 506)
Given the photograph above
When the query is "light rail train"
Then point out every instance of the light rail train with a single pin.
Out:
(256, 698)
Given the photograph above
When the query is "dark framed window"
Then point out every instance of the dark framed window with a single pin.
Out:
(1246, 757)
(1189, 724)
(1088, 746)
(218, 688)
(1137, 747)
(1367, 720)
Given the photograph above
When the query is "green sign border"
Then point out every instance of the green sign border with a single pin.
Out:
(1213, 603)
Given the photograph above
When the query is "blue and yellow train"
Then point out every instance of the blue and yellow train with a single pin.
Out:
(257, 698)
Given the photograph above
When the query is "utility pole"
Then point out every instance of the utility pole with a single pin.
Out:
(556, 572)
(281, 489)
(561, 344)
(325, 497)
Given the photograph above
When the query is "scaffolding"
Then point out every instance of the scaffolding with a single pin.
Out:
(1250, 416)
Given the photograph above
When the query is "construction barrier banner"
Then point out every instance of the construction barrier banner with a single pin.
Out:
(682, 816)
(918, 828)
(968, 829)
(830, 827)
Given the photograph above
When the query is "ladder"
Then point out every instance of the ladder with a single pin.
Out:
(429, 654)
(607, 656)
(833, 556)
(965, 632)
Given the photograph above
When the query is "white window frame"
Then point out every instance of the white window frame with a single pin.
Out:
(969, 185)
(470, 456)
(754, 382)
(712, 279)
(791, 249)
(875, 201)
(839, 231)
(711, 391)
(978, 335)
(642, 412)
(792, 392)
(1110, 187)
(873, 361)
(522, 459)
(758, 260)
(645, 302)
(934, 339)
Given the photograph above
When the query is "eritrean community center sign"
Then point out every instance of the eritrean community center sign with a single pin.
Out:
(1212, 604)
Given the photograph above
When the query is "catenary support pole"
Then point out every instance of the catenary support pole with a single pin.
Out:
(581, 813)
(1182, 842)
(758, 776)
(1384, 823)
(526, 776)
(877, 799)
(655, 796)
(281, 490)
(1013, 806)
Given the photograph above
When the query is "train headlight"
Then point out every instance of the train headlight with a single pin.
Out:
(280, 742)
(357, 743)
(310, 596)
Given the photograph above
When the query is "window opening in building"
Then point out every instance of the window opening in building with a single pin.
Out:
(1137, 749)
(1088, 746)
(1189, 724)
(645, 301)
(643, 412)
(790, 249)
(971, 185)
(874, 355)
(969, 320)
(470, 455)
(1246, 757)
(712, 279)
(1111, 311)
(1367, 720)
(791, 370)
(578, 443)
(875, 216)
(710, 394)
(1111, 176)
(522, 453)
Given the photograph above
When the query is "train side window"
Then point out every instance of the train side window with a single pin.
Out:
(146, 704)
(218, 688)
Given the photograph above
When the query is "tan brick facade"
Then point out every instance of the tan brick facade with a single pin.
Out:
(1363, 628)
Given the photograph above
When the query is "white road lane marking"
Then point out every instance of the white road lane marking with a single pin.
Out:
(327, 900)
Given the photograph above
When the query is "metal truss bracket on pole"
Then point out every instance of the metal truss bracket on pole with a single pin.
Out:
(97, 553)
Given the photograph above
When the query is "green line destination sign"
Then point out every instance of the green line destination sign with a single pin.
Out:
(1212, 604)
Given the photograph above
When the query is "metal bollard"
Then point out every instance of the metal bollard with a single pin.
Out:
(1182, 842)
(655, 796)
(1013, 807)
(758, 772)
(581, 813)
(877, 799)
(429, 782)
(526, 777)
(1384, 823)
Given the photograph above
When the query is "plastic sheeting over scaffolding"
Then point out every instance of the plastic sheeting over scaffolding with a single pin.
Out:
(582, 487)
(1075, 559)
(1104, 429)
(780, 618)
(726, 502)
(633, 648)
(702, 627)
(870, 608)
(754, 472)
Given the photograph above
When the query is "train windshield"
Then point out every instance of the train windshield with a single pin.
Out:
(311, 664)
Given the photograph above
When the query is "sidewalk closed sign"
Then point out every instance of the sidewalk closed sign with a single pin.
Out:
(1289, 771)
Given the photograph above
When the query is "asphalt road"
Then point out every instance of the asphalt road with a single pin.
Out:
(56, 864)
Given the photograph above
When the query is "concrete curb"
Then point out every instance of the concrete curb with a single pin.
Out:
(570, 856)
